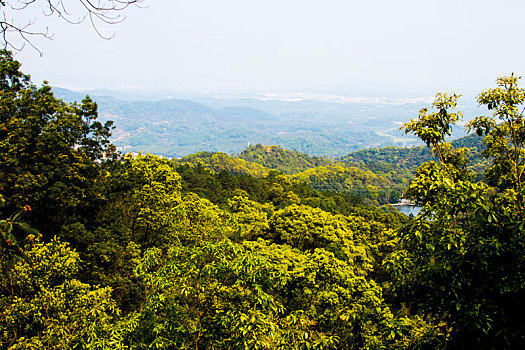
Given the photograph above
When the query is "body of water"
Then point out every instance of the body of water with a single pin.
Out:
(408, 209)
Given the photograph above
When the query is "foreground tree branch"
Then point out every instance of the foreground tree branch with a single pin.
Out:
(20, 20)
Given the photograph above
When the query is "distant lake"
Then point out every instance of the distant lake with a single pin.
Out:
(408, 209)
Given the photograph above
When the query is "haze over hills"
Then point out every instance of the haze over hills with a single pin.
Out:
(317, 124)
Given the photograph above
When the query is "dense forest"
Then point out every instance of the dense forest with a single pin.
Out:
(375, 176)
(267, 249)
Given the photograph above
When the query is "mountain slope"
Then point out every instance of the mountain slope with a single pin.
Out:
(175, 127)
(281, 159)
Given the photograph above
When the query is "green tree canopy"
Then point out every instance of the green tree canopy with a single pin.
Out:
(463, 257)
(50, 151)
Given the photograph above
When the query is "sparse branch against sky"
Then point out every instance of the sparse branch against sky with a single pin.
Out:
(21, 20)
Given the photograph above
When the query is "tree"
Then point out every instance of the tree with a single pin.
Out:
(50, 151)
(44, 306)
(463, 257)
(258, 295)
(198, 221)
(251, 216)
(151, 192)
(15, 32)
(212, 296)
(505, 139)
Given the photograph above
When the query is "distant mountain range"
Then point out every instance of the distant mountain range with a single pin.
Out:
(178, 127)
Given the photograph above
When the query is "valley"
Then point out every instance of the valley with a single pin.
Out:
(332, 127)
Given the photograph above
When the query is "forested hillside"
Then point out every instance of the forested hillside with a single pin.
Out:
(219, 162)
(100, 250)
(283, 160)
(177, 127)
(410, 158)
(374, 175)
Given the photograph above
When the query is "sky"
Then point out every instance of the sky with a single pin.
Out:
(373, 46)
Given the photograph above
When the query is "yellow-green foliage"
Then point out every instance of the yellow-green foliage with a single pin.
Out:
(197, 220)
(278, 158)
(219, 161)
(245, 263)
(462, 258)
(151, 192)
(44, 306)
(307, 228)
(252, 217)
(258, 295)
(339, 177)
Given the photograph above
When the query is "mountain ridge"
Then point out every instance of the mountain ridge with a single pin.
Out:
(179, 127)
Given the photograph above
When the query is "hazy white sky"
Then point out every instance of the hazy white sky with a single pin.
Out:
(289, 43)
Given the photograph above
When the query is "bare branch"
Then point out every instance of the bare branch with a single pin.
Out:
(23, 4)
(22, 32)
(96, 29)
(15, 35)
